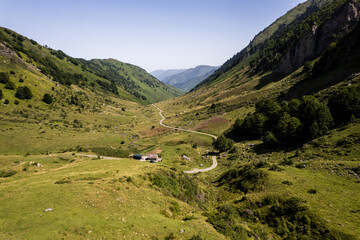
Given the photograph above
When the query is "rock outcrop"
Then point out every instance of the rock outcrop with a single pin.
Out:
(319, 38)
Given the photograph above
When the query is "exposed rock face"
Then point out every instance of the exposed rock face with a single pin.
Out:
(7, 52)
(318, 39)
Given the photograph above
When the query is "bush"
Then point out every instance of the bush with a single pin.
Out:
(223, 144)
(16, 102)
(4, 174)
(276, 168)
(287, 183)
(47, 98)
(246, 179)
(1, 94)
(4, 77)
(178, 185)
(189, 217)
(23, 93)
(6, 101)
(312, 191)
(63, 181)
(10, 85)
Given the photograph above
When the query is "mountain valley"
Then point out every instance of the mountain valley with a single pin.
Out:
(285, 111)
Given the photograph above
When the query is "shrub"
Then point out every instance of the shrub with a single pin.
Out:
(246, 179)
(6, 101)
(189, 217)
(4, 174)
(178, 185)
(227, 221)
(196, 237)
(312, 191)
(223, 143)
(276, 168)
(63, 181)
(10, 85)
(47, 98)
(4, 77)
(23, 93)
(287, 183)
(16, 102)
(300, 165)
(287, 161)
(1, 94)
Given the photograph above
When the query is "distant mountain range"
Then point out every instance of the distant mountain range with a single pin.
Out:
(184, 79)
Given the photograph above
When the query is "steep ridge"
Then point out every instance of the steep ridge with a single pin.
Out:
(290, 46)
(120, 79)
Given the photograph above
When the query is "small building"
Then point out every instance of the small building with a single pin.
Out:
(151, 157)
(137, 156)
(147, 157)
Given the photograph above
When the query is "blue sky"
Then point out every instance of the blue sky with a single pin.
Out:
(153, 34)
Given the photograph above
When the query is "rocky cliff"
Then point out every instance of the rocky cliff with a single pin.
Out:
(319, 38)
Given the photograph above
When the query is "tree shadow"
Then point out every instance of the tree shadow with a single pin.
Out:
(264, 149)
(272, 77)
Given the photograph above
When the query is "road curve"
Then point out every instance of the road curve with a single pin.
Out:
(214, 165)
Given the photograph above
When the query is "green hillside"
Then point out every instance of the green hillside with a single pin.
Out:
(120, 79)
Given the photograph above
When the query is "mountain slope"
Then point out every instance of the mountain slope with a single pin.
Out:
(125, 80)
(269, 49)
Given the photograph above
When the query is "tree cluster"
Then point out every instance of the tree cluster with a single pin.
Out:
(23, 93)
(288, 122)
(4, 77)
(345, 104)
(223, 143)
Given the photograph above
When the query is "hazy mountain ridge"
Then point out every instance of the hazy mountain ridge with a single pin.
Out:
(185, 79)
(162, 74)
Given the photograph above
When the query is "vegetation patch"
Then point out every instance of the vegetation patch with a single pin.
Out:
(63, 181)
(226, 219)
(5, 174)
(291, 219)
(178, 185)
(245, 179)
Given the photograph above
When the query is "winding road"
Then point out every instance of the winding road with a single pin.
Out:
(196, 170)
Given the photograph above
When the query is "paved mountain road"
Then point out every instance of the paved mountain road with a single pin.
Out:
(214, 165)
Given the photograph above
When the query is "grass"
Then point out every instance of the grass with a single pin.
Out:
(108, 207)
